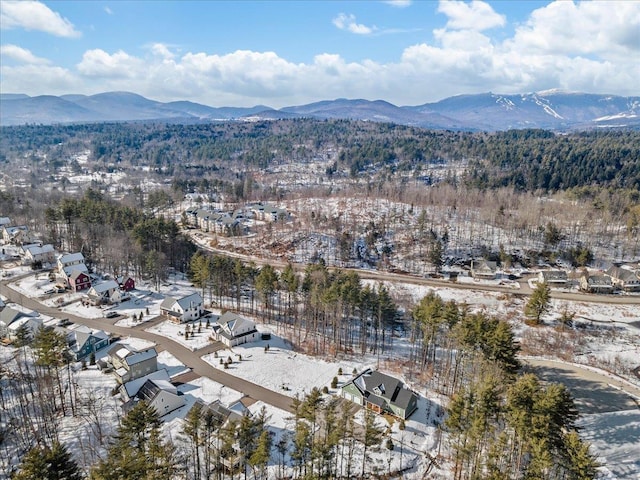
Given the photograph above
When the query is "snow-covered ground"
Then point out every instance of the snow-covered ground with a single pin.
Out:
(176, 332)
(280, 368)
(615, 438)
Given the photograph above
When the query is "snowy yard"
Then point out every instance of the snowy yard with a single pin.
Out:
(280, 368)
(176, 332)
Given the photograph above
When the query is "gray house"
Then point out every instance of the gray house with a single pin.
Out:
(232, 329)
(129, 364)
(624, 279)
(381, 393)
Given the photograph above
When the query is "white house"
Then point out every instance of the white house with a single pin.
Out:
(232, 329)
(105, 292)
(39, 253)
(183, 309)
(161, 395)
(129, 364)
(69, 262)
(31, 324)
(130, 389)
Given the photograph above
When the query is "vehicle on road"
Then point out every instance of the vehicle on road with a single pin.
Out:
(112, 315)
(65, 322)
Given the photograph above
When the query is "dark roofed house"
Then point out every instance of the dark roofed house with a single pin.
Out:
(557, 278)
(381, 393)
(483, 269)
(596, 284)
(129, 364)
(161, 395)
(624, 278)
(85, 341)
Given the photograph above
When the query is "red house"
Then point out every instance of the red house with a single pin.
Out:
(126, 283)
(79, 281)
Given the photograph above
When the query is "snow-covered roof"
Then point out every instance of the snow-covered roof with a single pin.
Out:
(105, 286)
(73, 271)
(185, 302)
(38, 250)
(133, 386)
(141, 356)
(233, 323)
(71, 258)
(5, 221)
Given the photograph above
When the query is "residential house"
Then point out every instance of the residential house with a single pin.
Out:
(483, 269)
(222, 416)
(79, 280)
(596, 284)
(105, 292)
(624, 278)
(553, 278)
(39, 253)
(18, 235)
(126, 283)
(4, 222)
(161, 395)
(130, 389)
(29, 323)
(69, 260)
(232, 329)
(183, 309)
(85, 341)
(8, 316)
(381, 393)
(129, 364)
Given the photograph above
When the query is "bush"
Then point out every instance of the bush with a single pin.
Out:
(402, 425)
(389, 444)
(355, 371)
(340, 371)
(334, 382)
(325, 389)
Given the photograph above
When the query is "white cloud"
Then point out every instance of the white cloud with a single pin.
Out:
(347, 22)
(108, 11)
(398, 3)
(32, 15)
(21, 55)
(98, 63)
(458, 60)
(476, 15)
(584, 28)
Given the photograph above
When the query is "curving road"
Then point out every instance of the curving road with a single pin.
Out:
(187, 357)
(524, 289)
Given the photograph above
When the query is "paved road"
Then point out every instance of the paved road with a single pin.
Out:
(183, 354)
(524, 289)
(592, 391)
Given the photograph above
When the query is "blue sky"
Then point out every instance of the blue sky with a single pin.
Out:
(291, 52)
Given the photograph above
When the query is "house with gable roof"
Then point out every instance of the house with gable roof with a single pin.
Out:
(18, 235)
(84, 341)
(553, 278)
(483, 269)
(4, 222)
(129, 364)
(162, 395)
(39, 253)
(624, 278)
(233, 329)
(182, 309)
(105, 292)
(130, 389)
(596, 283)
(71, 267)
(381, 393)
(10, 317)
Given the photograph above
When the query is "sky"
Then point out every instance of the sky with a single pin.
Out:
(293, 52)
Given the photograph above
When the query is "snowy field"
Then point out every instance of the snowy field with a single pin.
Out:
(176, 332)
(280, 368)
(615, 438)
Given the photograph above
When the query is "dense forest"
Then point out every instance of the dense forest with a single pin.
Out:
(528, 160)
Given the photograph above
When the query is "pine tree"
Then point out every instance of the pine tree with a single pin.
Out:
(137, 451)
(539, 303)
(580, 463)
(53, 463)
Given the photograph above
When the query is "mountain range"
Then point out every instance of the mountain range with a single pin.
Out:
(553, 110)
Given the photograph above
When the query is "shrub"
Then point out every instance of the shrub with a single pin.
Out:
(340, 371)
(334, 382)
(325, 389)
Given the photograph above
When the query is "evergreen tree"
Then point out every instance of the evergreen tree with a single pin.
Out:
(137, 452)
(53, 463)
(538, 303)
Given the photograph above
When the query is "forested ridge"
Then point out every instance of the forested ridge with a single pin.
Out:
(527, 160)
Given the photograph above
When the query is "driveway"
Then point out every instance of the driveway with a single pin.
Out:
(183, 354)
(592, 391)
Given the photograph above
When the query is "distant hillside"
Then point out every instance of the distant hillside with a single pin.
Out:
(552, 110)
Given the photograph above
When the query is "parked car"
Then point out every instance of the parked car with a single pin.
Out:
(65, 322)
(112, 315)
(50, 291)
